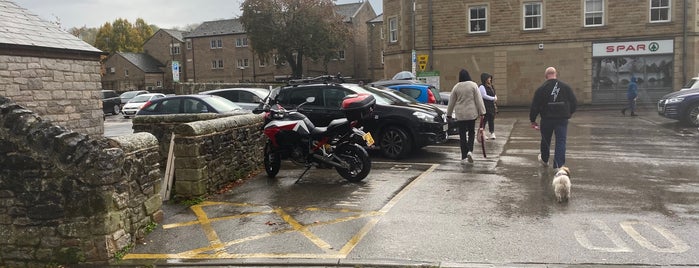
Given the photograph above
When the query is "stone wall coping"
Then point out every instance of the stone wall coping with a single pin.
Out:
(136, 141)
(205, 127)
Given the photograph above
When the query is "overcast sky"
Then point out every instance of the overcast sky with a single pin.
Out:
(163, 13)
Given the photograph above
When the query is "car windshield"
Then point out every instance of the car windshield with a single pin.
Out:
(692, 83)
(221, 104)
(380, 96)
(140, 98)
(129, 94)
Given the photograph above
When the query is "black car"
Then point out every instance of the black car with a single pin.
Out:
(398, 127)
(111, 103)
(681, 105)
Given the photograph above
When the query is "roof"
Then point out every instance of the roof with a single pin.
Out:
(20, 27)
(348, 11)
(143, 61)
(175, 33)
(217, 27)
(378, 19)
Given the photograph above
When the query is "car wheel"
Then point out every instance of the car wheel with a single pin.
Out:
(395, 143)
(692, 115)
(116, 109)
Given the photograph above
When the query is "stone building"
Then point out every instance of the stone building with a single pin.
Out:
(49, 71)
(125, 71)
(167, 46)
(220, 52)
(596, 45)
(375, 46)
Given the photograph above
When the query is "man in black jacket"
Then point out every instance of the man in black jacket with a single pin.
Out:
(555, 102)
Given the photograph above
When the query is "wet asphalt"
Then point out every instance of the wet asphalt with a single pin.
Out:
(635, 202)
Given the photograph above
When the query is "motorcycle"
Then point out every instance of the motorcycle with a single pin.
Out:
(291, 135)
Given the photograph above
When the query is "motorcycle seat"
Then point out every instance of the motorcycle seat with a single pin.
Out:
(334, 123)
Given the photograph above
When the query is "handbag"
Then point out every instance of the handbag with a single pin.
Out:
(557, 109)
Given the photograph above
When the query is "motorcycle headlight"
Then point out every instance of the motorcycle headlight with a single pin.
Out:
(674, 100)
(423, 116)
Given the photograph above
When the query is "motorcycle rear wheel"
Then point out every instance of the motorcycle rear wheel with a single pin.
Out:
(272, 161)
(358, 160)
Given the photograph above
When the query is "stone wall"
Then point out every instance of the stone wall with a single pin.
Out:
(65, 91)
(210, 151)
(67, 197)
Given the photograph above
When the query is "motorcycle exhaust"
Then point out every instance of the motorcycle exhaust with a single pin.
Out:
(329, 161)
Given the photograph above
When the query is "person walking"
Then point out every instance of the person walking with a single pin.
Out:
(631, 95)
(555, 102)
(466, 103)
(489, 98)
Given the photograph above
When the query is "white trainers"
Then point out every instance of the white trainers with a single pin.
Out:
(469, 157)
(543, 164)
(492, 135)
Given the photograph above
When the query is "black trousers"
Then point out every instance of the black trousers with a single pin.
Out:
(467, 135)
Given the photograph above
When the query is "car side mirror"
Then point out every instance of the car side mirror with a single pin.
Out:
(310, 99)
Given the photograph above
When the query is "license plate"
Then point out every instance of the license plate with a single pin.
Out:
(369, 139)
(445, 127)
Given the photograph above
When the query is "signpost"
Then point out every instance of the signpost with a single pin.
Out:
(175, 71)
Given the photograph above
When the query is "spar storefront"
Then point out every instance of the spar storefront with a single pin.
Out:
(613, 65)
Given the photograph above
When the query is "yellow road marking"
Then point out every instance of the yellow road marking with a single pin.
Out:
(218, 247)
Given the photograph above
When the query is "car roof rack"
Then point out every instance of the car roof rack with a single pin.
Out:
(326, 79)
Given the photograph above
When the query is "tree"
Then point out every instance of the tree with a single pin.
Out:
(294, 29)
(122, 36)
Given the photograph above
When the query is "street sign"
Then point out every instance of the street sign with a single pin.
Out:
(422, 62)
(175, 71)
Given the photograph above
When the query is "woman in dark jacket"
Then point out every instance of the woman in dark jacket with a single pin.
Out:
(488, 92)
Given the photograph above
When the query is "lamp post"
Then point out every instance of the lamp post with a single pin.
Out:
(242, 74)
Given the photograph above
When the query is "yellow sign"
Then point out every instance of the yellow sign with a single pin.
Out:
(422, 62)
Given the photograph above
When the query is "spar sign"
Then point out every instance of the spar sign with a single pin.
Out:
(633, 48)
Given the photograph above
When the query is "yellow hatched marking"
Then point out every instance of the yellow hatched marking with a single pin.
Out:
(218, 247)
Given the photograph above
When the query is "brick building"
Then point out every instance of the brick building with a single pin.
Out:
(595, 44)
(49, 71)
(125, 71)
(220, 52)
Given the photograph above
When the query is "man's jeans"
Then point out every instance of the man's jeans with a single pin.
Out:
(548, 128)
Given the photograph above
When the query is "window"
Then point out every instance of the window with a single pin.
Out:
(382, 57)
(126, 72)
(341, 55)
(594, 12)
(243, 62)
(381, 34)
(217, 64)
(659, 10)
(159, 83)
(477, 19)
(263, 62)
(532, 16)
(241, 42)
(216, 43)
(189, 44)
(393, 30)
(175, 49)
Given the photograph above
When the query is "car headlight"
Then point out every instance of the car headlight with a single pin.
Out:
(423, 116)
(674, 100)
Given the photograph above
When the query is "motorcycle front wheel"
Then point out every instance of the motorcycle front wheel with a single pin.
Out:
(358, 160)
(272, 161)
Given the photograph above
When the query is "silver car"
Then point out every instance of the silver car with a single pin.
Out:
(246, 98)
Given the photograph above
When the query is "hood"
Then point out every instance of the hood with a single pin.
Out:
(464, 76)
(484, 77)
(681, 93)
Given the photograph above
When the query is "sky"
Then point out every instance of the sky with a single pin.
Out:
(164, 14)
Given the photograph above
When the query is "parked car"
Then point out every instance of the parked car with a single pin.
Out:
(126, 96)
(398, 127)
(392, 82)
(111, 103)
(247, 98)
(444, 97)
(135, 104)
(423, 93)
(681, 105)
(691, 84)
(189, 104)
(453, 129)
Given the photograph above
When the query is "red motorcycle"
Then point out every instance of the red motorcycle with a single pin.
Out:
(291, 135)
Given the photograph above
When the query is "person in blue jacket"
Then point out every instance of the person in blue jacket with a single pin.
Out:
(631, 95)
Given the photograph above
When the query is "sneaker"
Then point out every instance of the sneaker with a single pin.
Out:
(469, 157)
(492, 136)
(543, 164)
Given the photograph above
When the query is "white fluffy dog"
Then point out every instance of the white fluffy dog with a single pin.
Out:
(561, 184)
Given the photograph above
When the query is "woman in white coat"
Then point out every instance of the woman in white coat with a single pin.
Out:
(466, 104)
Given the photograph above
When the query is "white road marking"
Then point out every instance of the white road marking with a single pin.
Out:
(678, 246)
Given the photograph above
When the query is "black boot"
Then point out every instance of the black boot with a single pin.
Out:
(623, 111)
